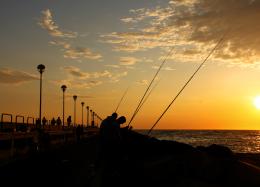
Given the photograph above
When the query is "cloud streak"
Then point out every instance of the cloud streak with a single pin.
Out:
(128, 61)
(77, 73)
(194, 26)
(81, 52)
(47, 23)
(80, 79)
(9, 76)
(70, 52)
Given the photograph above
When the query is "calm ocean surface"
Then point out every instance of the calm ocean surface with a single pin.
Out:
(240, 141)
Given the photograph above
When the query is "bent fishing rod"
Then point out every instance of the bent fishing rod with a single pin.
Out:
(189, 80)
(146, 91)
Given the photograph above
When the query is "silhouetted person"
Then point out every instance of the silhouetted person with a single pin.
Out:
(106, 128)
(110, 156)
(108, 122)
(110, 137)
(121, 120)
(53, 122)
(44, 121)
(38, 122)
(58, 121)
(69, 121)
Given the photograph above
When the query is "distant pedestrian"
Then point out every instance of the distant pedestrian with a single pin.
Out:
(44, 121)
(69, 121)
(58, 121)
(38, 122)
(53, 122)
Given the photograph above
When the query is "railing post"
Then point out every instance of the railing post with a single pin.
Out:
(2, 119)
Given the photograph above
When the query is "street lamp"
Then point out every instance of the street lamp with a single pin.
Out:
(91, 117)
(82, 104)
(41, 69)
(75, 98)
(63, 88)
(92, 122)
(94, 114)
(87, 115)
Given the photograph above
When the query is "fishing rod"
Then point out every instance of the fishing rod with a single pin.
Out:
(204, 61)
(148, 95)
(140, 102)
(121, 99)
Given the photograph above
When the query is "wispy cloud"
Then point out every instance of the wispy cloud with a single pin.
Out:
(9, 76)
(77, 53)
(127, 61)
(128, 20)
(116, 76)
(112, 66)
(80, 79)
(194, 26)
(142, 82)
(77, 73)
(47, 23)
(81, 52)
(165, 68)
(79, 84)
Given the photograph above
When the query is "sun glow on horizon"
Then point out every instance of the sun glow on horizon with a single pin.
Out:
(257, 102)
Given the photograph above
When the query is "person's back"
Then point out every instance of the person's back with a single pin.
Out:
(107, 128)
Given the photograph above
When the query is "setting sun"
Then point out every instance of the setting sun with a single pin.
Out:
(257, 102)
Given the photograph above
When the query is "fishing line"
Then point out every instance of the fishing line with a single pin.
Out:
(204, 61)
(148, 95)
(140, 102)
(121, 99)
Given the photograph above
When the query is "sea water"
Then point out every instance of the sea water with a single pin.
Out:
(239, 141)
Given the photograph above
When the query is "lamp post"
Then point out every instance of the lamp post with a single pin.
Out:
(82, 104)
(94, 114)
(41, 69)
(63, 88)
(75, 98)
(87, 115)
(91, 117)
(92, 122)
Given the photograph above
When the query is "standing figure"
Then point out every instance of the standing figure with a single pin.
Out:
(58, 121)
(69, 121)
(44, 121)
(53, 122)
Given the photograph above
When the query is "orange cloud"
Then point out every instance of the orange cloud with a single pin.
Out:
(194, 26)
(48, 24)
(9, 76)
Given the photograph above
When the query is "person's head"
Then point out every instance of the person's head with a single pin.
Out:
(114, 115)
(121, 120)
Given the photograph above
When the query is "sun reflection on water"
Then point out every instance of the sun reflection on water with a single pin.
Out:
(241, 141)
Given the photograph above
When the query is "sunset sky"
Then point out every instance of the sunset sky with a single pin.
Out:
(100, 48)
